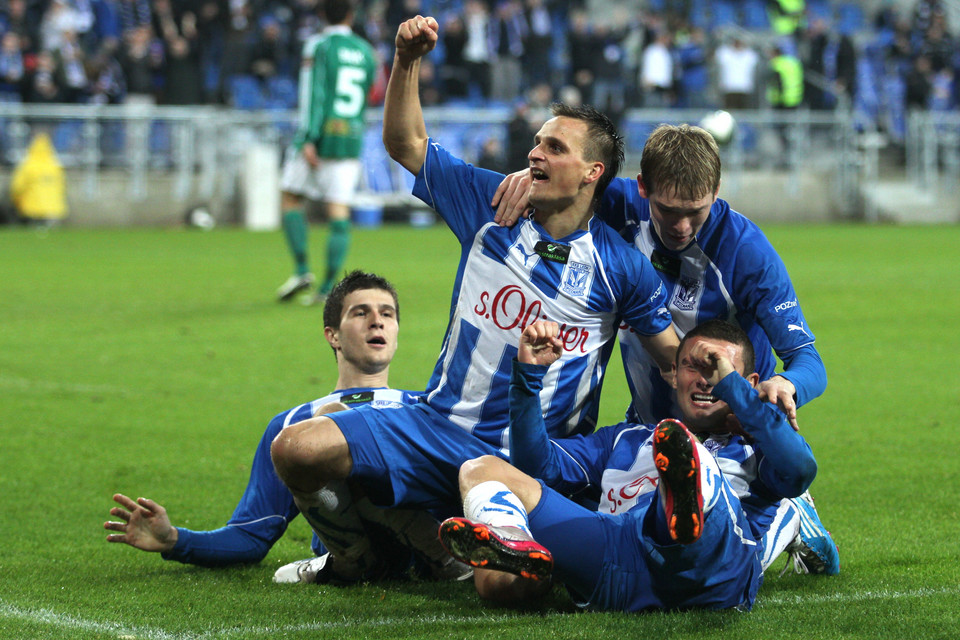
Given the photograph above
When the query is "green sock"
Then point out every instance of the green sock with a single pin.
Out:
(295, 230)
(337, 247)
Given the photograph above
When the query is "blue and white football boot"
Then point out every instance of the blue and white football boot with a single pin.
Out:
(813, 550)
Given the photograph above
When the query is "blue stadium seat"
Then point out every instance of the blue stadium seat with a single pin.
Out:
(282, 91)
(820, 9)
(450, 136)
(850, 18)
(160, 143)
(244, 92)
(700, 14)
(755, 14)
(376, 163)
(377, 173)
(894, 91)
(747, 137)
(723, 13)
(68, 136)
(113, 139)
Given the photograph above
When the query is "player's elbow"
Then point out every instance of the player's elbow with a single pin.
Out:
(800, 478)
(407, 151)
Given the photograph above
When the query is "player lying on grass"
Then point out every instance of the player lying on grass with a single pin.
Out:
(681, 519)
(714, 263)
(562, 264)
(361, 324)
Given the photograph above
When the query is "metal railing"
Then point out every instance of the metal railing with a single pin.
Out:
(200, 149)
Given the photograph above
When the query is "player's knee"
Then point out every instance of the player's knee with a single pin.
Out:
(289, 201)
(305, 454)
(283, 453)
(477, 470)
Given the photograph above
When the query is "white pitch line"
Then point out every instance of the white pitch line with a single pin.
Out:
(863, 596)
(67, 621)
(122, 631)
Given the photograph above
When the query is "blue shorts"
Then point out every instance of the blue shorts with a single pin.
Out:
(614, 562)
(408, 456)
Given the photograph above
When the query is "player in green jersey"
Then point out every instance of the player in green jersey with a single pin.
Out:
(323, 163)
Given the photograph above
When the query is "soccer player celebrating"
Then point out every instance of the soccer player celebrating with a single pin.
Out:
(361, 324)
(562, 264)
(681, 519)
(715, 263)
(323, 163)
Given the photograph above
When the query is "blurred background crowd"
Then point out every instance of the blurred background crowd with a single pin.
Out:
(616, 54)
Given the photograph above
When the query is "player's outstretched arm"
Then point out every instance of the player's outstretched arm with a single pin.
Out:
(404, 132)
(144, 525)
(512, 198)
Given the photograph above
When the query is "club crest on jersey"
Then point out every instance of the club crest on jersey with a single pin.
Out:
(685, 295)
(576, 279)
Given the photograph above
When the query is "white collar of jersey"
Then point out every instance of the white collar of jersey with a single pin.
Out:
(567, 239)
(338, 28)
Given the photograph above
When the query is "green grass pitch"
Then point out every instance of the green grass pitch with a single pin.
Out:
(149, 362)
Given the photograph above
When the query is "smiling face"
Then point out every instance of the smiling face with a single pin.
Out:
(366, 339)
(557, 167)
(676, 220)
(699, 409)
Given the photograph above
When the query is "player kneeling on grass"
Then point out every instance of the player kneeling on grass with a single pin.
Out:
(672, 530)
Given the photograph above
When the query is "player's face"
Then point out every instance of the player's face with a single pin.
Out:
(677, 221)
(557, 167)
(367, 337)
(699, 409)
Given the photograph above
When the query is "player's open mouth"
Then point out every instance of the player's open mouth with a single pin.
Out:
(538, 174)
(377, 340)
(704, 398)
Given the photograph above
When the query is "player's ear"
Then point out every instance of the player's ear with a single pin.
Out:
(753, 379)
(333, 337)
(673, 375)
(642, 188)
(593, 174)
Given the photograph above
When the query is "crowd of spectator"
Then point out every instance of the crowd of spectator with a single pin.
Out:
(616, 54)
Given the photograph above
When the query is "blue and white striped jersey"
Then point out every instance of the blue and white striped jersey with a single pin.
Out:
(267, 507)
(618, 460)
(730, 271)
(509, 277)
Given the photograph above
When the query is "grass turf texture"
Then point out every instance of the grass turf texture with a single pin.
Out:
(149, 361)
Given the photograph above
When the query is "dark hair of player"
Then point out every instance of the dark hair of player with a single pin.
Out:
(337, 11)
(354, 281)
